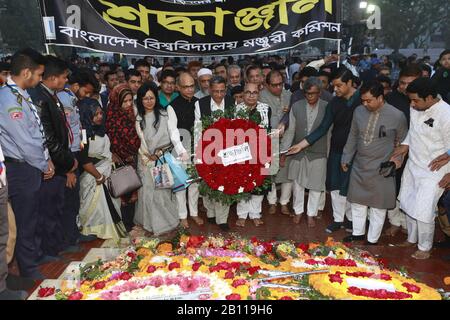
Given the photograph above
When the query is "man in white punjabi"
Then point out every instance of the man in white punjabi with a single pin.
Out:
(278, 99)
(308, 168)
(376, 129)
(428, 138)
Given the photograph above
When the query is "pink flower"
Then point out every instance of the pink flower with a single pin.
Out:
(189, 285)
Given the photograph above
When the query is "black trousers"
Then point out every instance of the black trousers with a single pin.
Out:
(24, 183)
(51, 212)
(71, 210)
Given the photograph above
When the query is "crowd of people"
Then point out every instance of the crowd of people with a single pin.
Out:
(377, 142)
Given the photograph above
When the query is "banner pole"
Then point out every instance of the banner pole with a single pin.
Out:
(42, 11)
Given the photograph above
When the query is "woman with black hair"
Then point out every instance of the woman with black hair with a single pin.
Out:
(339, 114)
(156, 209)
(99, 212)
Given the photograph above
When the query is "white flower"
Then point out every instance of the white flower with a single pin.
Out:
(198, 161)
(221, 188)
(241, 189)
(160, 259)
(267, 165)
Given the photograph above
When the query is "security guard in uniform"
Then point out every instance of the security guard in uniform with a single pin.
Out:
(26, 156)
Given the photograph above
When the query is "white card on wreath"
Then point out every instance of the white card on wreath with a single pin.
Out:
(236, 154)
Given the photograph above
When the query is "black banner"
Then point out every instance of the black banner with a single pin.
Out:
(189, 27)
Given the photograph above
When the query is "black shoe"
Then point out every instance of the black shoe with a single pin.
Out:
(348, 225)
(88, 238)
(13, 295)
(212, 220)
(71, 249)
(14, 282)
(224, 227)
(49, 259)
(354, 238)
(368, 243)
(335, 226)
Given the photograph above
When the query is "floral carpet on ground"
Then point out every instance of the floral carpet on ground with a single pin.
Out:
(233, 268)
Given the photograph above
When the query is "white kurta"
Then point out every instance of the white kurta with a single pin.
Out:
(420, 191)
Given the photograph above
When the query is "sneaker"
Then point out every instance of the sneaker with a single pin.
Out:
(13, 295)
(212, 220)
(348, 225)
(272, 209)
(354, 238)
(335, 226)
(224, 227)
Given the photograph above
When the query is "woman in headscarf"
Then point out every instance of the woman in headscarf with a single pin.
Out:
(157, 209)
(125, 143)
(99, 212)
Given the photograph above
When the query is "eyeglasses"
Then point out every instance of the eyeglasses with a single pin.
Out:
(313, 93)
(275, 85)
(148, 98)
(251, 93)
(168, 83)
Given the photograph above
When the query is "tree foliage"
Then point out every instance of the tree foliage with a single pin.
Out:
(406, 22)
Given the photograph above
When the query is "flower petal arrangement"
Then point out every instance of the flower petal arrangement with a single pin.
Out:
(235, 268)
(230, 138)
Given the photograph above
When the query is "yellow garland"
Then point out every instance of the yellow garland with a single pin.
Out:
(321, 283)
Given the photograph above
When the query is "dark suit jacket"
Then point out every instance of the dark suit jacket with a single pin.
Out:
(54, 121)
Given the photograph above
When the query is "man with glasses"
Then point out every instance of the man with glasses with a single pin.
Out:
(278, 99)
(216, 212)
(307, 169)
(184, 106)
(253, 207)
(167, 93)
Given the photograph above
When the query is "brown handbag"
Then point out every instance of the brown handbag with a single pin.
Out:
(123, 181)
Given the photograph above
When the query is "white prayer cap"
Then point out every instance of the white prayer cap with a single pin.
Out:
(204, 72)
